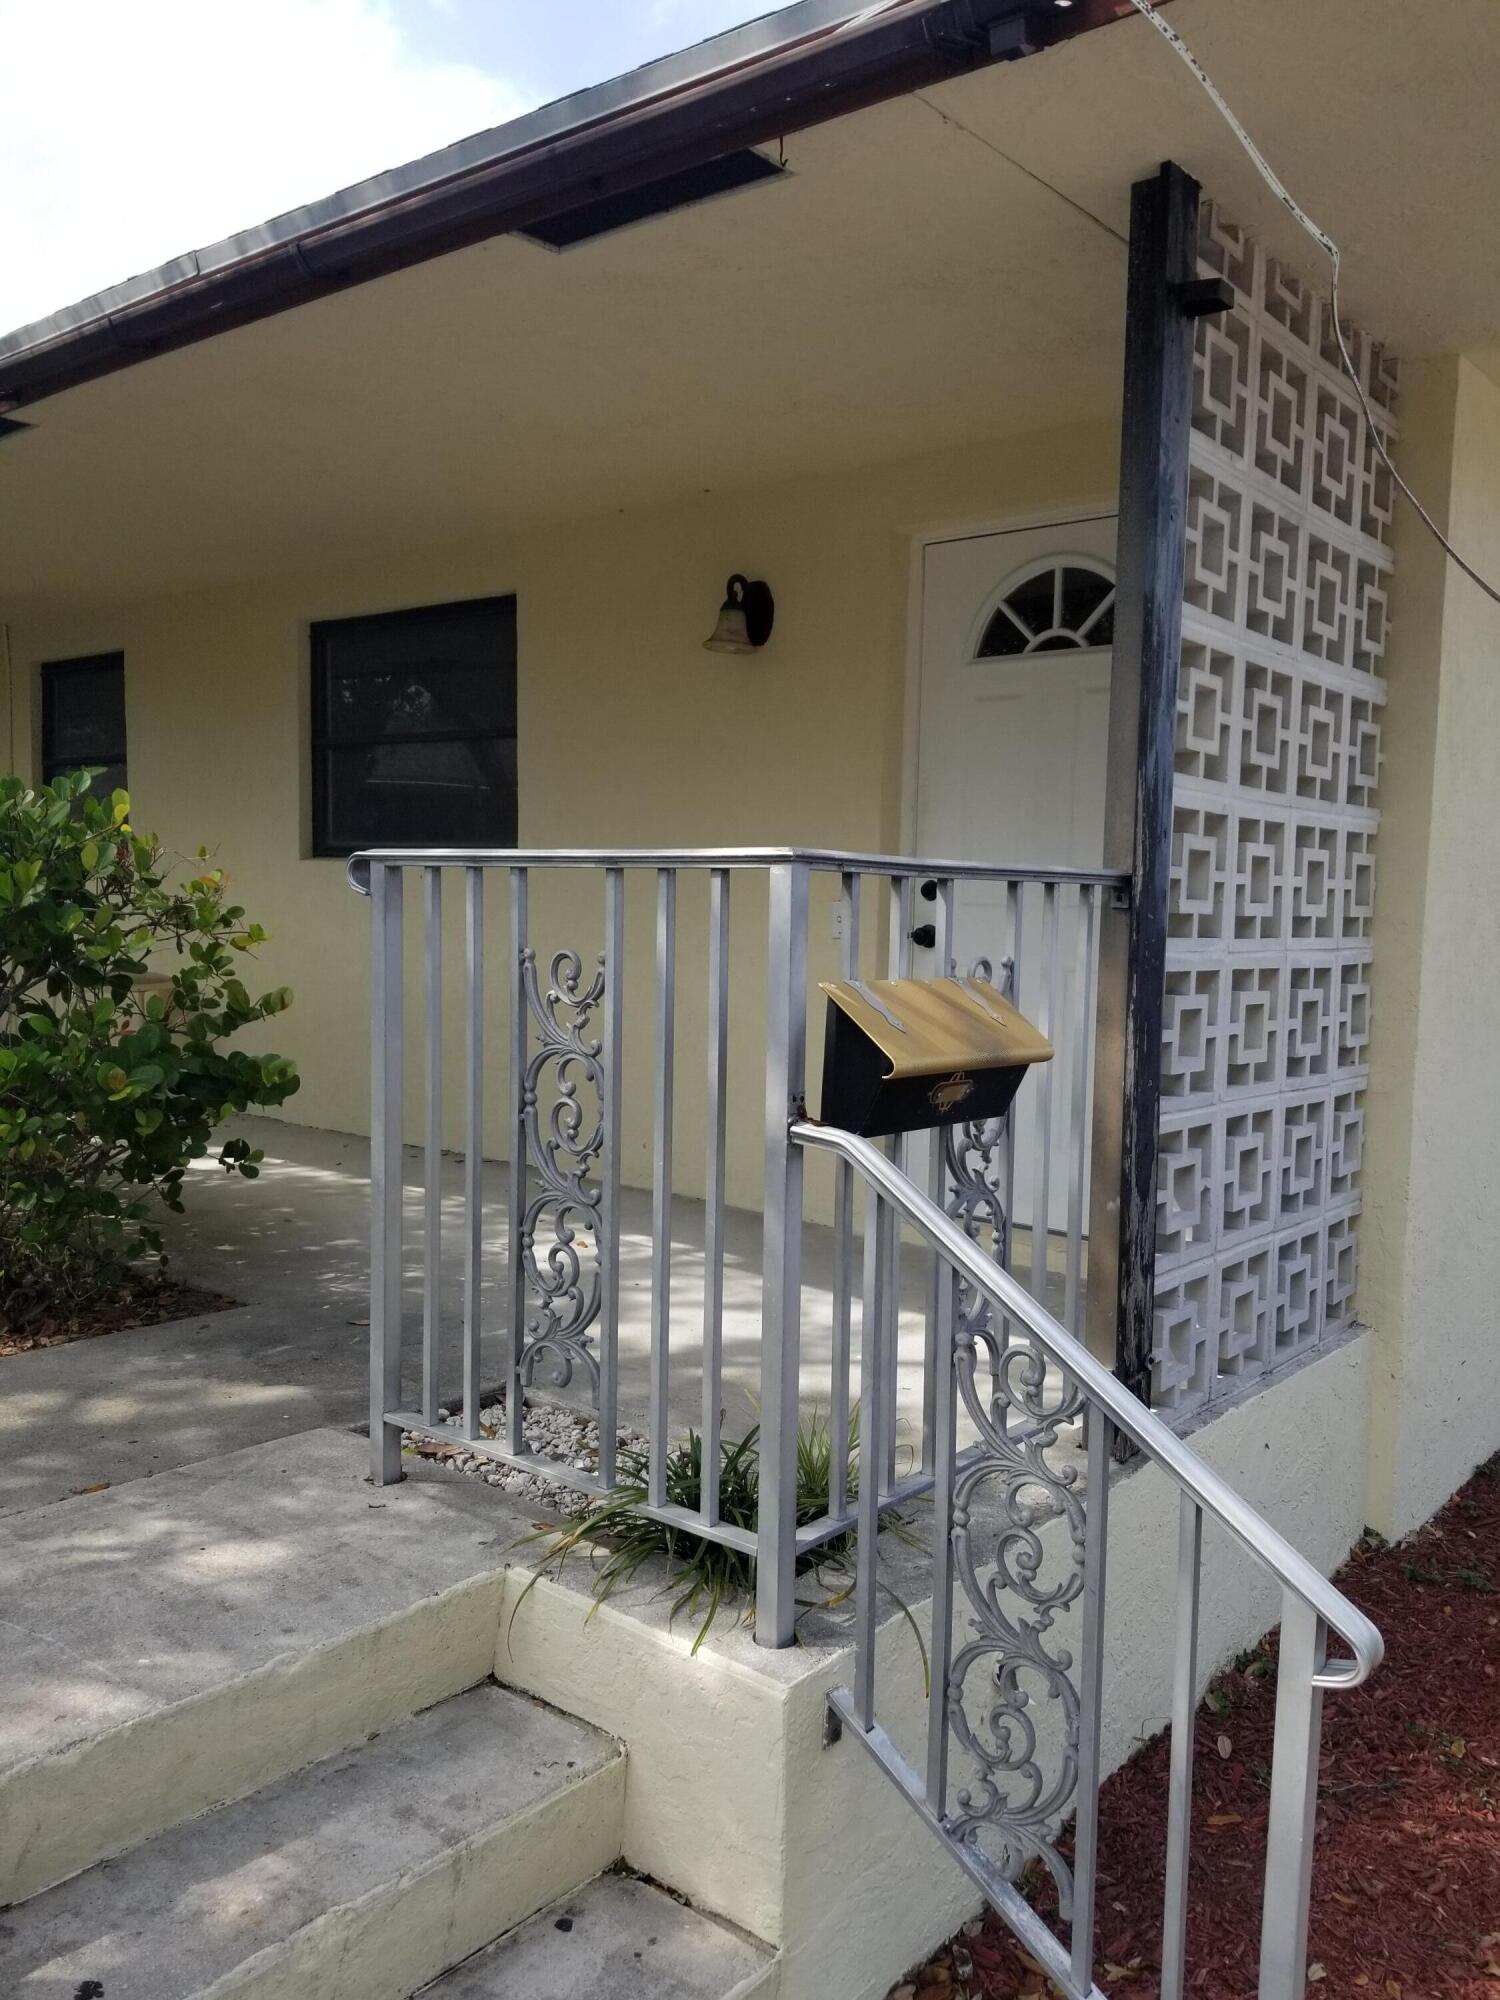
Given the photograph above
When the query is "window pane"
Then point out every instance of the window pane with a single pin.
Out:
(418, 794)
(449, 667)
(1033, 601)
(83, 712)
(1084, 590)
(431, 698)
(1003, 637)
(414, 727)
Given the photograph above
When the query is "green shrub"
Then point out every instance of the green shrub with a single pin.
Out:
(109, 1086)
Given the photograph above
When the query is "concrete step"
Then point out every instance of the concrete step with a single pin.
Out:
(182, 1641)
(359, 1878)
(618, 1939)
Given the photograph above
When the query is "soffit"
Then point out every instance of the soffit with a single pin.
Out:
(935, 270)
(901, 290)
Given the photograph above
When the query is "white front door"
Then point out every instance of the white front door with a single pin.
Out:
(1013, 739)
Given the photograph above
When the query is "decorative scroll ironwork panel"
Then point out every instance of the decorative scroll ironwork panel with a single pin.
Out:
(1280, 701)
(1012, 1694)
(562, 1112)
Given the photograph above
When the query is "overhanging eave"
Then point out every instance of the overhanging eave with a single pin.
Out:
(665, 117)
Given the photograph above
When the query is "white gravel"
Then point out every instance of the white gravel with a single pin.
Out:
(552, 1431)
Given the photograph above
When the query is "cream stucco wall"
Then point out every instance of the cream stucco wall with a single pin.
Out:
(630, 735)
(1431, 1252)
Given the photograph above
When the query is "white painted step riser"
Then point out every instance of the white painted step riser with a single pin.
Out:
(61, 1814)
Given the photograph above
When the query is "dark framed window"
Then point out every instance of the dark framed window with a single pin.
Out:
(83, 720)
(414, 728)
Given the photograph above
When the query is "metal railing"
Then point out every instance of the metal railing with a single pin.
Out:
(999, 1212)
(1053, 1385)
(566, 1124)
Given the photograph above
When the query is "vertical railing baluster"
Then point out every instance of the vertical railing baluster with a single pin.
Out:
(1015, 911)
(1042, 1088)
(1090, 1697)
(1294, 1801)
(939, 1425)
(1180, 1782)
(898, 966)
(473, 1145)
(661, 1185)
(612, 1059)
(386, 993)
(945, 1446)
(1079, 1028)
(432, 1205)
(781, 1292)
(898, 944)
(1005, 1248)
(843, 1251)
(939, 1292)
(879, 1222)
(713, 1187)
(516, 1000)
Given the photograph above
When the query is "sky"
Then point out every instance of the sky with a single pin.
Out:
(134, 130)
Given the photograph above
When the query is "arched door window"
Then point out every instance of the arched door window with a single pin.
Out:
(1062, 604)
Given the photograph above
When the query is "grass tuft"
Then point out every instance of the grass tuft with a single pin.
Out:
(704, 1576)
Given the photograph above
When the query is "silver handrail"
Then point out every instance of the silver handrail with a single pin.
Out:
(1125, 1411)
(821, 859)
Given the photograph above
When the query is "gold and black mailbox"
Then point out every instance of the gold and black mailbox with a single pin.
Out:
(902, 1055)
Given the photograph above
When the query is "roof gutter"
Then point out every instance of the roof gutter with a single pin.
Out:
(797, 68)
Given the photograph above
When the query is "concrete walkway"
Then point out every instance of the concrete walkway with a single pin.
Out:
(293, 1246)
(292, 1358)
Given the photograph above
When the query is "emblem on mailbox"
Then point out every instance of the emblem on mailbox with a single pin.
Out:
(903, 1055)
(947, 1096)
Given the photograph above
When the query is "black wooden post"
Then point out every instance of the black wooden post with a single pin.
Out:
(1163, 298)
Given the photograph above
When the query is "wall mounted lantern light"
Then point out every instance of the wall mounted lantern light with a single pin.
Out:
(745, 618)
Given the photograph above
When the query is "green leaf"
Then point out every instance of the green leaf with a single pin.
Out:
(106, 1091)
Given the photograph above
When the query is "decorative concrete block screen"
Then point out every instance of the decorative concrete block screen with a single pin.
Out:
(1278, 755)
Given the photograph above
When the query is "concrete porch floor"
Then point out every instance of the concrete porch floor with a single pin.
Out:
(293, 1246)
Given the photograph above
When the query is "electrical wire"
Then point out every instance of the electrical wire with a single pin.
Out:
(1325, 243)
(981, 139)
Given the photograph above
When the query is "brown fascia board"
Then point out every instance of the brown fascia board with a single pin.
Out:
(792, 86)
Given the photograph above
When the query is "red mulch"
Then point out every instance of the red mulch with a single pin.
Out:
(1406, 1880)
(142, 1300)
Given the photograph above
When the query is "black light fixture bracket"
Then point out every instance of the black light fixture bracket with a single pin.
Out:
(745, 617)
(760, 608)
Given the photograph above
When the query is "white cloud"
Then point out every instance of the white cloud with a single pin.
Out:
(134, 130)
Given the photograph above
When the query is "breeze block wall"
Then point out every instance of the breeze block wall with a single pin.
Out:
(1278, 758)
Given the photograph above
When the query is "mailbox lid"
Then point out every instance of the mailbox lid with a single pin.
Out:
(925, 1027)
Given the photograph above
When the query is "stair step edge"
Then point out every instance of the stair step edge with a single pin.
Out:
(618, 1937)
(103, 1794)
(358, 1878)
